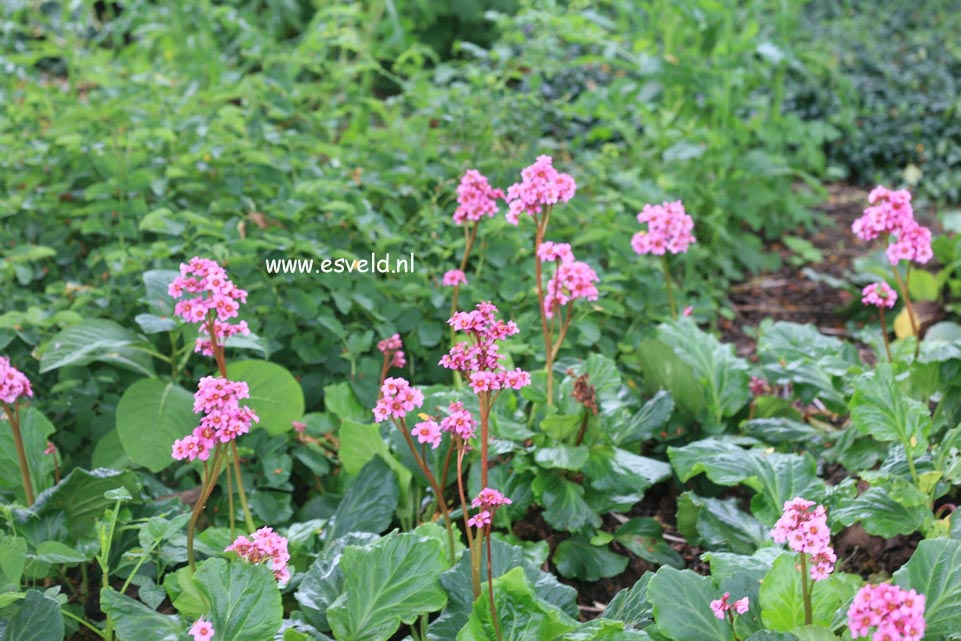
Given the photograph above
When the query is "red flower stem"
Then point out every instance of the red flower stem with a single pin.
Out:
(538, 273)
(907, 303)
(475, 567)
(209, 482)
(441, 503)
(230, 503)
(483, 399)
(490, 584)
(443, 475)
(14, 418)
(884, 333)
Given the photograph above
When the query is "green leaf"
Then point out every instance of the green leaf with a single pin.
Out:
(648, 420)
(96, 339)
(244, 600)
(275, 395)
(521, 615)
(57, 552)
(39, 619)
(631, 605)
(35, 429)
(13, 554)
(619, 472)
(156, 282)
(324, 580)
(721, 375)
(564, 457)
(880, 409)
(935, 571)
(78, 500)
(505, 557)
(577, 558)
(150, 416)
(389, 582)
(681, 602)
(880, 514)
(342, 402)
(136, 622)
(564, 505)
(782, 608)
(561, 427)
(604, 630)
(369, 504)
(718, 524)
(645, 538)
(663, 368)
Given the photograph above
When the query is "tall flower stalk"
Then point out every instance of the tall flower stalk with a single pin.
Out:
(15, 385)
(806, 531)
(214, 302)
(541, 188)
(880, 295)
(669, 231)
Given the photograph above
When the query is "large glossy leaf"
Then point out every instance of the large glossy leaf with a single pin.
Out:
(78, 500)
(391, 581)
(275, 395)
(324, 581)
(666, 370)
(35, 429)
(244, 599)
(645, 537)
(38, 619)
(96, 339)
(136, 622)
(718, 524)
(150, 416)
(521, 614)
(681, 603)
(341, 400)
(505, 557)
(881, 409)
(369, 504)
(13, 555)
(782, 608)
(935, 571)
(880, 514)
(644, 424)
(604, 630)
(631, 605)
(577, 558)
(564, 457)
(564, 505)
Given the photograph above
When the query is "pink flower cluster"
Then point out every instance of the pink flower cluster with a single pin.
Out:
(541, 186)
(216, 301)
(479, 357)
(13, 382)
(894, 613)
(428, 431)
(759, 386)
(879, 295)
(475, 198)
(393, 349)
(668, 229)
(807, 532)
(397, 400)
(720, 607)
(264, 545)
(459, 421)
(487, 501)
(572, 279)
(224, 418)
(453, 278)
(202, 630)
(891, 213)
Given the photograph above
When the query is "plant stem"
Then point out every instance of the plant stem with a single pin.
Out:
(241, 493)
(14, 418)
(805, 590)
(230, 503)
(475, 575)
(884, 333)
(441, 503)
(482, 399)
(84, 622)
(907, 303)
(670, 290)
(490, 586)
(205, 493)
(538, 271)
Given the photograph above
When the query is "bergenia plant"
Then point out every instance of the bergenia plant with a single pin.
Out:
(202, 630)
(393, 350)
(541, 188)
(15, 385)
(723, 608)
(806, 532)
(213, 301)
(892, 613)
(890, 218)
(264, 545)
(669, 230)
(880, 295)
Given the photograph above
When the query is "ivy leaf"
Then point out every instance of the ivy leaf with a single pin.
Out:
(244, 600)
(521, 615)
(880, 409)
(577, 558)
(935, 571)
(391, 581)
(681, 602)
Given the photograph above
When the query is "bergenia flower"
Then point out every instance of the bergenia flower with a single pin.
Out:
(806, 531)
(669, 229)
(51, 448)
(428, 431)
(393, 349)
(879, 295)
(202, 630)
(913, 243)
(454, 277)
(478, 359)
(299, 426)
(264, 545)
(720, 607)
(895, 614)
(13, 383)
(224, 418)
(475, 198)
(397, 400)
(215, 301)
(541, 186)
(572, 280)
(459, 421)
(891, 214)
(487, 501)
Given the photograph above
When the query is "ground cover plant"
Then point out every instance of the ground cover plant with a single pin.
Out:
(532, 430)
